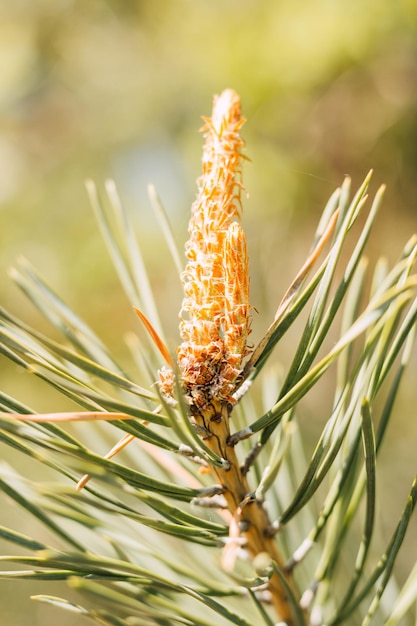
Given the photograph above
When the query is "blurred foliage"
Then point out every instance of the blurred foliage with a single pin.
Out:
(113, 88)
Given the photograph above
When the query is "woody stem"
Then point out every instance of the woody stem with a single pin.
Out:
(253, 519)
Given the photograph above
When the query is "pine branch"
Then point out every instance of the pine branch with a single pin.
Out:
(148, 530)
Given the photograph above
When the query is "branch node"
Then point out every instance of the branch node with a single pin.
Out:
(240, 435)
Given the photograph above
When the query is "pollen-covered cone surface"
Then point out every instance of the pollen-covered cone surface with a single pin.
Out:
(214, 327)
(215, 312)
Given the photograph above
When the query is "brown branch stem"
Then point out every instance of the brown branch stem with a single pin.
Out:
(252, 516)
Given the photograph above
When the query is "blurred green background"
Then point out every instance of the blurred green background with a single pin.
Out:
(99, 89)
